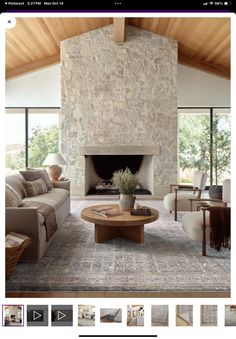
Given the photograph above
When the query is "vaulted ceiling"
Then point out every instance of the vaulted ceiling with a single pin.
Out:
(34, 43)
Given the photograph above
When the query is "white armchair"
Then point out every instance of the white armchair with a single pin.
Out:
(197, 224)
(179, 200)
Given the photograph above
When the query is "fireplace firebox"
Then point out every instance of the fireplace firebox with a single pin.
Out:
(100, 168)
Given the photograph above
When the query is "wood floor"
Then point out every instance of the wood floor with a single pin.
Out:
(99, 294)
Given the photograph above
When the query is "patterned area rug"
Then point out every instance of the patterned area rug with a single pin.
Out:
(186, 313)
(209, 315)
(160, 315)
(230, 316)
(167, 261)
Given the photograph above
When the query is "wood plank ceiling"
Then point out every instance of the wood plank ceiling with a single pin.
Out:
(34, 43)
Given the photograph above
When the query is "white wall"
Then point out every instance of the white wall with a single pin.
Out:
(42, 88)
(198, 88)
(39, 89)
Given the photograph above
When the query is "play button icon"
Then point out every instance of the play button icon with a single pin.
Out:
(60, 315)
(36, 315)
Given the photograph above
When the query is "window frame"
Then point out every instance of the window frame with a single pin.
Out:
(26, 114)
(211, 119)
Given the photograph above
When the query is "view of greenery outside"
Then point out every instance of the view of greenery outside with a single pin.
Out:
(43, 139)
(194, 146)
(194, 141)
(15, 140)
(221, 151)
(15, 160)
(42, 142)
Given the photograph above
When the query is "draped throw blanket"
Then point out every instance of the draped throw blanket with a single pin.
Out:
(48, 212)
(220, 227)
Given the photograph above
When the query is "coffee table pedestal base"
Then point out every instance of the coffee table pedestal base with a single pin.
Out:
(133, 233)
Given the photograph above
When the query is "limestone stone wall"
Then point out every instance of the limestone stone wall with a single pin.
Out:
(119, 95)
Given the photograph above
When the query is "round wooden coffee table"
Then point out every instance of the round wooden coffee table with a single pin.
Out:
(125, 225)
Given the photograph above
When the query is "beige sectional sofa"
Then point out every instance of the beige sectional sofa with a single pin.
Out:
(27, 220)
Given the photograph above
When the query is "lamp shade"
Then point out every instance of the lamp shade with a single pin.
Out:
(54, 159)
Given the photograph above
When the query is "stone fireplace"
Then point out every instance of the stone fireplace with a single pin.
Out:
(119, 100)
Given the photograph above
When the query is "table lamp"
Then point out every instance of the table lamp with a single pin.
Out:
(53, 161)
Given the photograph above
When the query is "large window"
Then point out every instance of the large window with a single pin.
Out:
(31, 133)
(15, 139)
(221, 145)
(204, 143)
(43, 136)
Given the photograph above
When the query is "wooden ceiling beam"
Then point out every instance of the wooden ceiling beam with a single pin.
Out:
(119, 29)
(33, 66)
(223, 72)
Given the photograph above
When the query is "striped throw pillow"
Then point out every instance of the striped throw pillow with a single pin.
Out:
(34, 188)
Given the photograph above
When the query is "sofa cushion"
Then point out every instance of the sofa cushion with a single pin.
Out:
(12, 198)
(16, 181)
(192, 225)
(183, 203)
(55, 197)
(34, 188)
(199, 180)
(226, 191)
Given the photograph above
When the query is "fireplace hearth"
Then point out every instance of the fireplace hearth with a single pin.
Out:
(138, 191)
(106, 187)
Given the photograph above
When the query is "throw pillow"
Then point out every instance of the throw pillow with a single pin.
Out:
(12, 198)
(31, 175)
(46, 178)
(35, 174)
(34, 188)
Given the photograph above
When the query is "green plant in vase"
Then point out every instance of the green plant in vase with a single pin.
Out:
(125, 181)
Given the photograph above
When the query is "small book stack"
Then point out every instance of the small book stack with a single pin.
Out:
(141, 211)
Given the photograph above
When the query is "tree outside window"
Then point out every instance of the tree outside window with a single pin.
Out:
(197, 150)
(43, 137)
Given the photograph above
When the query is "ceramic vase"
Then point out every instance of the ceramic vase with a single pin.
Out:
(126, 202)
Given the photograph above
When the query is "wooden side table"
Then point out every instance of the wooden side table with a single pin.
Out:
(65, 184)
(202, 205)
